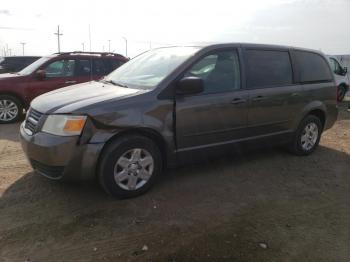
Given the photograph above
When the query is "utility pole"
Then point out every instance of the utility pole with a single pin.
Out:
(23, 47)
(83, 46)
(58, 38)
(126, 46)
(109, 46)
(90, 37)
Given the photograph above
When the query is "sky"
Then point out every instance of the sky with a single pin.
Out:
(316, 24)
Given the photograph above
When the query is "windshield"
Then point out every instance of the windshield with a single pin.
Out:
(34, 66)
(149, 69)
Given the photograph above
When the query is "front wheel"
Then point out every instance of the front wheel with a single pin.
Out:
(341, 93)
(129, 166)
(307, 136)
(11, 109)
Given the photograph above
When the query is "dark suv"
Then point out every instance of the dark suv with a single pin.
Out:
(11, 64)
(48, 73)
(173, 104)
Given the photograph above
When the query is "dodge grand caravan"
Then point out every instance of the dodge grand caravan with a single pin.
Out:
(170, 104)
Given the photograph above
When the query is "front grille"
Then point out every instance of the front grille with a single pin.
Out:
(32, 120)
(53, 172)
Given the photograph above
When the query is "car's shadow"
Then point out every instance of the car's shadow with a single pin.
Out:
(36, 209)
(9, 132)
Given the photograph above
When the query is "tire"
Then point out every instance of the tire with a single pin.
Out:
(301, 138)
(341, 93)
(11, 109)
(119, 168)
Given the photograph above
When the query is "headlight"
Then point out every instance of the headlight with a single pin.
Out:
(64, 125)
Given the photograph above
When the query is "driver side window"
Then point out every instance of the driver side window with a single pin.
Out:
(60, 68)
(336, 68)
(220, 72)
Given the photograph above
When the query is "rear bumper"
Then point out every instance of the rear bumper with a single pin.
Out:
(60, 158)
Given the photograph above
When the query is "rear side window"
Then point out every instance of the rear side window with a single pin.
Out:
(116, 63)
(83, 68)
(267, 68)
(100, 67)
(312, 67)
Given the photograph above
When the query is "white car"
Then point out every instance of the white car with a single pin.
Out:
(341, 77)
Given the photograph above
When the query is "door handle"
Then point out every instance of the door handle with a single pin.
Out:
(259, 98)
(70, 82)
(237, 101)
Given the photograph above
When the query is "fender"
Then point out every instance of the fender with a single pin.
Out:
(312, 106)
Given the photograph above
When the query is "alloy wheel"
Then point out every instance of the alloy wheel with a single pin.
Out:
(133, 169)
(309, 136)
(8, 110)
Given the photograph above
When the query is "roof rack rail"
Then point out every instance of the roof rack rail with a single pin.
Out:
(89, 53)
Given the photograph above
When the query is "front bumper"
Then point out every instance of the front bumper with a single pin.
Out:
(60, 158)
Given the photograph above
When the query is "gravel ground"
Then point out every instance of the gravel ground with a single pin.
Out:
(262, 205)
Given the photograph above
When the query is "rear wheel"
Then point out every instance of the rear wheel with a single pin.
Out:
(307, 136)
(129, 166)
(11, 109)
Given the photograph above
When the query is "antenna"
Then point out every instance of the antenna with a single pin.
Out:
(58, 38)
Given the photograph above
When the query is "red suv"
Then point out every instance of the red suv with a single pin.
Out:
(48, 73)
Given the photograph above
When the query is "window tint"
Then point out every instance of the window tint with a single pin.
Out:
(83, 67)
(312, 67)
(116, 63)
(60, 68)
(336, 68)
(268, 68)
(99, 67)
(220, 72)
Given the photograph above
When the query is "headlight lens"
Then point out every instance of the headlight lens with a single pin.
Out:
(64, 125)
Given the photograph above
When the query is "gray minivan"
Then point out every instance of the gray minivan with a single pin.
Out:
(172, 104)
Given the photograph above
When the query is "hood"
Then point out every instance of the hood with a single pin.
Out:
(73, 98)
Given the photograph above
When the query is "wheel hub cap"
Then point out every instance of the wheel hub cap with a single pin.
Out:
(309, 136)
(133, 169)
(8, 110)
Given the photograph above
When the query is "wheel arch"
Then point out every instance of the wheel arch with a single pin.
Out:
(316, 108)
(18, 97)
(320, 114)
(144, 131)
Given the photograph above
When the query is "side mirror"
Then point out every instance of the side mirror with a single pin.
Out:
(190, 85)
(40, 74)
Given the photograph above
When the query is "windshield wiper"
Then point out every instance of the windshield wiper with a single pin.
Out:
(115, 83)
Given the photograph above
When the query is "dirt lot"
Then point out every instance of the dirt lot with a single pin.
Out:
(226, 210)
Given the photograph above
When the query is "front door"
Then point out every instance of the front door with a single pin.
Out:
(219, 113)
(59, 73)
